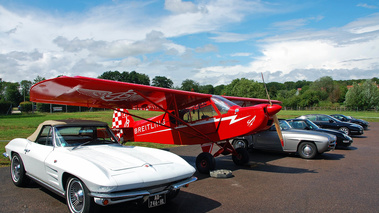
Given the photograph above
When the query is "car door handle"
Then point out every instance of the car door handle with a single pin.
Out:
(27, 150)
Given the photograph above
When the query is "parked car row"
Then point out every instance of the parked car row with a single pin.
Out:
(329, 122)
(307, 135)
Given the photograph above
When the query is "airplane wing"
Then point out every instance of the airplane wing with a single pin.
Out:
(245, 102)
(100, 93)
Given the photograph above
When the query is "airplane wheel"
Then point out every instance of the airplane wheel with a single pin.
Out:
(242, 158)
(205, 162)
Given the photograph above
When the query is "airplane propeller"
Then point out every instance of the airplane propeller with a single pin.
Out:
(275, 117)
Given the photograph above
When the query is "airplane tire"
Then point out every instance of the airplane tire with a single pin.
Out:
(205, 162)
(242, 158)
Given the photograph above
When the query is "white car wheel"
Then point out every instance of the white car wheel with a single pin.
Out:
(77, 197)
(18, 171)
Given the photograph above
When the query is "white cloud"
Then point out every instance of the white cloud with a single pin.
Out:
(341, 50)
(178, 6)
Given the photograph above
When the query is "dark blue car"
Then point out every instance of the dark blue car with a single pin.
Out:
(350, 119)
(328, 122)
(343, 140)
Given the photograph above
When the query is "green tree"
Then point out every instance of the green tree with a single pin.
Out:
(132, 77)
(207, 89)
(190, 85)
(12, 93)
(161, 81)
(245, 88)
(38, 79)
(25, 87)
(364, 96)
(111, 75)
(138, 78)
(218, 90)
(310, 98)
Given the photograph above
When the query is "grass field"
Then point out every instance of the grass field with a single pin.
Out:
(23, 125)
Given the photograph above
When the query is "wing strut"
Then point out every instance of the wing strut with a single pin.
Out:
(174, 116)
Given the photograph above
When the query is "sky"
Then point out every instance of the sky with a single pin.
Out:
(208, 41)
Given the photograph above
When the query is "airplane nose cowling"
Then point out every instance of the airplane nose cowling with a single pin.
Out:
(272, 110)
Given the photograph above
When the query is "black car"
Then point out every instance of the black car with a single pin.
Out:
(343, 140)
(350, 119)
(328, 122)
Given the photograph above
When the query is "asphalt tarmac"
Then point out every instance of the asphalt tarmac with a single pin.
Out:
(338, 181)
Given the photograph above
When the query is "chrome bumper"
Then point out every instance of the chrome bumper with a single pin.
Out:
(114, 198)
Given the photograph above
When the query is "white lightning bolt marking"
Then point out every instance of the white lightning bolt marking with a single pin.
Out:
(234, 120)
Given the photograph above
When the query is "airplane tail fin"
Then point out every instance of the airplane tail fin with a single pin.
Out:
(122, 122)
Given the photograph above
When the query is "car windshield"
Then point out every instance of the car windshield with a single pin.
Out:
(284, 125)
(222, 104)
(73, 136)
(311, 125)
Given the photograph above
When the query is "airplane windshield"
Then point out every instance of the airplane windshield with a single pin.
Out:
(222, 104)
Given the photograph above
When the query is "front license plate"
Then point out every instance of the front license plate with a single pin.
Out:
(157, 200)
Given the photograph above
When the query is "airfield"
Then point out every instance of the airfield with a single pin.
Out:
(343, 180)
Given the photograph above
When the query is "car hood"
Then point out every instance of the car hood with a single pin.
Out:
(330, 131)
(116, 158)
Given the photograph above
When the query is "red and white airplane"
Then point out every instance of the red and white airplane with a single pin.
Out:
(187, 118)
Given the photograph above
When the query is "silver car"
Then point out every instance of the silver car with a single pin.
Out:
(303, 142)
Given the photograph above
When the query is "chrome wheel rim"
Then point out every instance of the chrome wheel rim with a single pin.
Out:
(239, 144)
(16, 169)
(345, 130)
(75, 195)
(307, 150)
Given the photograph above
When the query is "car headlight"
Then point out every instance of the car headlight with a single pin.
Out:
(106, 188)
(347, 137)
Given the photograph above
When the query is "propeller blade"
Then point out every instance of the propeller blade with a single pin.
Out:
(272, 110)
(278, 130)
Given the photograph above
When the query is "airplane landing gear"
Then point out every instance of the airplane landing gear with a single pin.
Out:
(205, 162)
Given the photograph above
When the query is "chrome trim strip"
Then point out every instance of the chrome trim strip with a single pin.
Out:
(135, 195)
(55, 190)
(184, 182)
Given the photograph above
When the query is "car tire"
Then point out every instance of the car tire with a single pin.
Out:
(345, 130)
(307, 150)
(77, 198)
(17, 170)
(242, 158)
(239, 143)
(205, 162)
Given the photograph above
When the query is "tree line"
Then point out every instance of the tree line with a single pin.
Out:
(362, 94)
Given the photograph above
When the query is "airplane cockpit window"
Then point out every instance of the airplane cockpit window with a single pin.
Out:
(198, 112)
(222, 104)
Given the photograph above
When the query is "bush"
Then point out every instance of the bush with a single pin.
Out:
(26, 106)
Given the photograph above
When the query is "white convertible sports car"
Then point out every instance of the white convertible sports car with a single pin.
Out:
(83, 162)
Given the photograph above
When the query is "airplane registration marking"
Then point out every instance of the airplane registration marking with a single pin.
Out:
(144, 128)
(148, 127)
